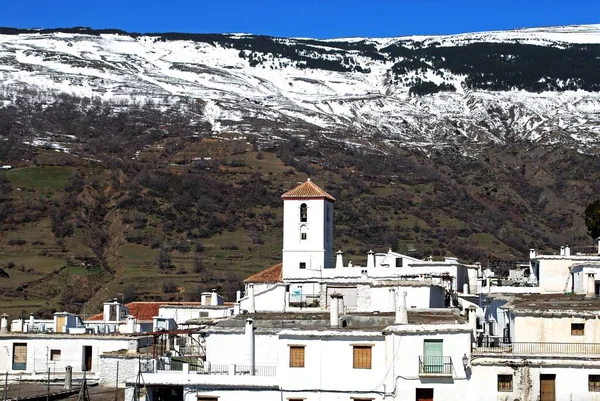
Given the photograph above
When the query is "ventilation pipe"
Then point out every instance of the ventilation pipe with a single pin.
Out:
(251, 306)
(214, 298)
(339, 259)
(370, 259)
(334, 310)
(250, 341)
(401, 311)
(4, 323)
(591, 285)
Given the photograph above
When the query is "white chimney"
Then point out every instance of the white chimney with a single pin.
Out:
(401, 311)
(567, 250)
(31, 322)
(370, 259)
(238, 296)
(251, 306)
(339, 260)
(532, 253)
(236, 309)
(473, 320)
(465, 288)
(392, 299)
(591, 285)
(250, 342)
(4, 323)
(598, 239)
(214, 298)
(350, 264)
(334, 310)
(131, 324)
(562, 251)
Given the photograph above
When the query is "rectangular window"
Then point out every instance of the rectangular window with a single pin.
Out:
(577, 329)
(303, 236)
(361, 356)
(296, 356)
(594, 383)
(19, 356)
(505, 382)
(398, 262)
(303, 265)
(55, 355)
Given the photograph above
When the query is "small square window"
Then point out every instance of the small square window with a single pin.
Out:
(296, 356)
(303, 265)
(303, 236)
(361, 357)
(577, 329)
(594, 383)
(55, 355)
(505, 383)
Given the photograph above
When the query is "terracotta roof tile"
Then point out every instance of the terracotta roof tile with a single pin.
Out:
(145, 310)
(273, 274)
(307, 189)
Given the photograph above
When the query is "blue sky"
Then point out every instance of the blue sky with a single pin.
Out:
(300, 18)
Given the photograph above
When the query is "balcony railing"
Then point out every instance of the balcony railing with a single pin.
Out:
(175, 366)
(539, 348)
(258, 370)
(435, 366)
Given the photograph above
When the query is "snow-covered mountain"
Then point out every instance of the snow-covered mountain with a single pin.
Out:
(537, 84)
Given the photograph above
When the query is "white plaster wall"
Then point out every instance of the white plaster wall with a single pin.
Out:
(228, 349)
(267, 298)
(571, 382)
(416, 297)
(182, 315)
(554, 329)
(128, 369)
(38, 352)
(328, 364)
(555, 276)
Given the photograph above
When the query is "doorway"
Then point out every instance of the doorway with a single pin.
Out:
(424, 394)
(87, 358)
(547, 387)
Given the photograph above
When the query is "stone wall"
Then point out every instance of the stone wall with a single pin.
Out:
(128, 369)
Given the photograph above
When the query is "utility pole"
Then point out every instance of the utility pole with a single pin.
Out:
(48, 387)
(5, 393)
(117, 382)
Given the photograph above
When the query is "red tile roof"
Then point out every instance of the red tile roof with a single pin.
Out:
(307, 189)
(146, 310)
(273, 274)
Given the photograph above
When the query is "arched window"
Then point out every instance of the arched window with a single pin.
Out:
(303, 233)
(303, 213)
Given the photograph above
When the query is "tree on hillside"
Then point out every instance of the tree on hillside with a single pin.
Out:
(592, 218)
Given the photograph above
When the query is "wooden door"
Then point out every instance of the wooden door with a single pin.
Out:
(60, 324)
(547, 388)
(424, 394)
(87, 358)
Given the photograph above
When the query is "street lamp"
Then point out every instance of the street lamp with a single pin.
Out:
(465, 361)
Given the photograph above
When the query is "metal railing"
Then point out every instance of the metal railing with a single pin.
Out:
(538, 348)
(258, 370)
(146, 366)
(211, 369)
(435, 365)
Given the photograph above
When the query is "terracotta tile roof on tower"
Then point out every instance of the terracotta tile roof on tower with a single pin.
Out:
(307, 189)
(273, 274)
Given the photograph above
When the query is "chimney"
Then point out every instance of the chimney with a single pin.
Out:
(236, 309)
(591, 285)
(214, 298)
(567, 250)
(4, 323)
(68, 377)
(31, 322)
(370, 259)
(334, 310)
(392, 299)
(598, 239)
(131, 324)
(251, 306)
(339, 260)
(532, 253)
(238, 296)
(562, 251)
(473, 320)
(250, 338)
(465, 288)
(401, 312)
(350, 264)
